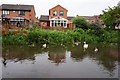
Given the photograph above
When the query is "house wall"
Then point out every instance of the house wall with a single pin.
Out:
(90, 21)
(58, 9)
(70, 24)
(30, 15)
(41, 23)
(44, 22)
(0, 12)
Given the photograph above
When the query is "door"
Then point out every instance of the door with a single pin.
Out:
(48, 23)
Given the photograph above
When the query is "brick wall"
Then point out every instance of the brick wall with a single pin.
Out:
(30, 15)
(58, 8)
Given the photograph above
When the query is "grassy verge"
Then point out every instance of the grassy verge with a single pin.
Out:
(37, 36)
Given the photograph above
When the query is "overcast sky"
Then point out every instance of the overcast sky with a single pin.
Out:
(74, 7)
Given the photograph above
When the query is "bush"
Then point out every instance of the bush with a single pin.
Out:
(14, 39)
(37, 36)
(95, 29)
(110, 36)
(80, 22)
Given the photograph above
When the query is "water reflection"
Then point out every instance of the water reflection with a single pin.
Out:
(57, 58)
(105, 58)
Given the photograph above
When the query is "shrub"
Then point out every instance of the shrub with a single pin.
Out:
(80, 22)
(95, 29)
(14, 39)
(110, 36)
(37, 36)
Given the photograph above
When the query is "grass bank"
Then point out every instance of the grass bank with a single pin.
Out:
(37, 36)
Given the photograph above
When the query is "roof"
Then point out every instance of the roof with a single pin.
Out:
(16, 7)
(89, 17)
(36, 20)
(44, 18)
(70, 17)
(60, 6)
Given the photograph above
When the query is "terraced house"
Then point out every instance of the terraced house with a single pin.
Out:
(57, 18)
(15, 15)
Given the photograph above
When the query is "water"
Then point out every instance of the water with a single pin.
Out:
(60, 62)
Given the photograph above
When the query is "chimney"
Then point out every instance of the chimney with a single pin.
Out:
(77, 15)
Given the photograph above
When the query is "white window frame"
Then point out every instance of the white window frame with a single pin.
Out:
(19, 12)
(54, 13)
(6, 12)
(62, 13)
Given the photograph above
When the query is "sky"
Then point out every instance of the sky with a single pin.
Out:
(74, 7)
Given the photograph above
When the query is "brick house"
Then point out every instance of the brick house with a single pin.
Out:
(92, 19)
(16, 15)
(57, 18)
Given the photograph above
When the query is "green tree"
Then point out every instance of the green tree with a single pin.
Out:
(80, 22)
(111, 16)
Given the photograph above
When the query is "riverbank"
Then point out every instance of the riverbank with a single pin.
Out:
(37, 36)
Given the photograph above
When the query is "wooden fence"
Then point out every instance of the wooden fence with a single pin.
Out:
(14, 32)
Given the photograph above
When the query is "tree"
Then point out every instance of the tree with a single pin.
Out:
(111, 16)
(80, 22)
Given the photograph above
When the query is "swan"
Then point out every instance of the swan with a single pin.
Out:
(44, 45)
(85, 45)
(96, 50)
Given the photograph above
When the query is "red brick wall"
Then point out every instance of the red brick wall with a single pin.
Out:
(0, 12)
(30, 15)
(58, 8)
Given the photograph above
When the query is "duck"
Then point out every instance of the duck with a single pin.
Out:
(44, 45)
(85, 45)
(77, 43)
(96, 50)
(61, 44)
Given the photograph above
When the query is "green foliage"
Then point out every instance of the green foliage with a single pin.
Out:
(80, 22)
(37, 36)
(111, 15)
(14, 39)
(95, 29)
(110, 36)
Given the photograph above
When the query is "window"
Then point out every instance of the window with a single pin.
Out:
(21, 12)
(13, 23)
(54, 13)
(61, 13)
(6, 12)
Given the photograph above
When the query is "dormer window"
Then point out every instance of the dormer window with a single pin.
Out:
(61, 13)
(21, 12)
(54, 13)
(6, 12)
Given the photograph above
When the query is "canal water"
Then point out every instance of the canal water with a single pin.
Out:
(60, 61)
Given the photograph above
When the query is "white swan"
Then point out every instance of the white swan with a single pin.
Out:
(85, 45)
(96, 50)
(44, 45)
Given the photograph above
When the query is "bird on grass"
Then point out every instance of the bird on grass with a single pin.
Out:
(44, 45)
(96, 50)
(76, 43)
(85, 45)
